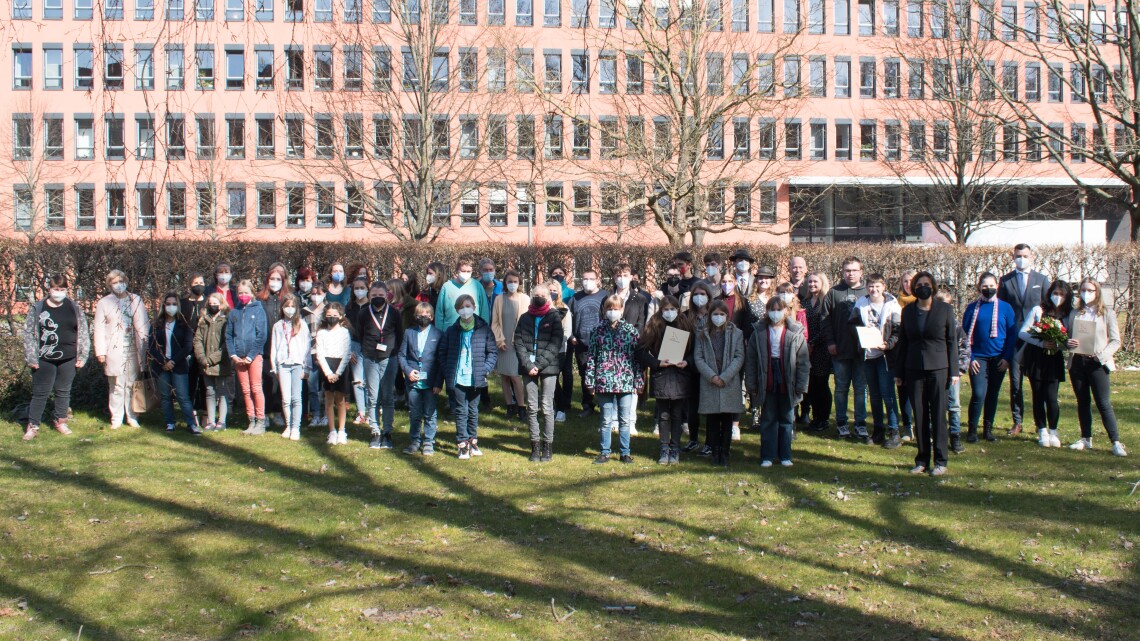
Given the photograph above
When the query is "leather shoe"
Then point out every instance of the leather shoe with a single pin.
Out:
(1015, 430)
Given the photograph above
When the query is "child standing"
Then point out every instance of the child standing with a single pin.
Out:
(288, 359)
(777, 378)
(334, 346)
(719, 357)
(467, 355)
(418, 363)
(210, 354)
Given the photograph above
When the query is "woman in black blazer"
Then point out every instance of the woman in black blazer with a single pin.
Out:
(927, 349)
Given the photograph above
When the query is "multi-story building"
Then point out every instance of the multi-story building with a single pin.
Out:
(558, 121)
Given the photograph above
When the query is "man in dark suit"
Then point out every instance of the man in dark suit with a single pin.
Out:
(1023, 288)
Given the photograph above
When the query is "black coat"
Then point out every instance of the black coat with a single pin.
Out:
(636, 310)
(669, 382)
(181, 347)
(935, 347)
(837, 306)
(547, 346)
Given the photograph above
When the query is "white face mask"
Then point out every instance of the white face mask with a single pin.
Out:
(466, 312)
(669, 315)
(464, 277)
(57, 295)
(719, 319)
(1057, 299)
(742, 266)
(1023, 263)
(1088, 297)
(613, 315)
(712, 270)
(306, 286)
(360, 293)
(775, 316)
(289, 311)
(728, 287)
(786, 297)
(430, 279)
(274, 285)
(512, 287)
(172, 310)
(622, 282)
(223, 279)
(119, 288)
(589, 285)
(700, 299)
(317, 299)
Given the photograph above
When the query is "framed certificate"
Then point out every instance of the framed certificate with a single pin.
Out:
(673, 345)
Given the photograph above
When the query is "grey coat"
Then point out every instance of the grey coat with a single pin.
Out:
(727, 399)
(794, 354)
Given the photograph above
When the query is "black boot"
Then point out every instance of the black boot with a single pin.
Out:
(988, 433)
(724, 456)
(956, 444)
(535, 454)
(663, 458)
(972, 434)
(892, 441)
(547, 451)
(878, 436)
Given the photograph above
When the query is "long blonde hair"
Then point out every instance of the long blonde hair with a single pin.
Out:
(1098, 302)
(824, 284)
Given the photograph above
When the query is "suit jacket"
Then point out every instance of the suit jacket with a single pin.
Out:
(1009, 290)
(931, 348)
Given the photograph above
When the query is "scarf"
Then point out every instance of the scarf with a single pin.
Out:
(977, 312)
(467, 325)
(539, 312)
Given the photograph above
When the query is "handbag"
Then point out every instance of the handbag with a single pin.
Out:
(144, 397)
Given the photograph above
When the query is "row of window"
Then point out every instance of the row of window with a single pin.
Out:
(348, 138)
(355, 205)
(875, 78)
(938, 18)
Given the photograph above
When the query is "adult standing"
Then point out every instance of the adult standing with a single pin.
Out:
(844, 348)
(819, 389)
(1023, 289)
(742, 263)
(121, 328)
(506, 311)
(492, 287)
(434, 276)
(1043, 362)
(558, 275)
(536, 343)
(683, 261)
(713, 269)
(991, 334)
(461, 284)
(56, 343)
(1090, 373)
(926, 360)
(306, 279)
(798, 271)
(272, 295)
(337, 289)
(586, 311)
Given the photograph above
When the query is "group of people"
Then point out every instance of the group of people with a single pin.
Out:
(705, 346)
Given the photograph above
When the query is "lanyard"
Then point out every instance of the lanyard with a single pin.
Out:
(383, 320)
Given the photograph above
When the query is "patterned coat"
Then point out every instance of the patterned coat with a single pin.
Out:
(610, 364)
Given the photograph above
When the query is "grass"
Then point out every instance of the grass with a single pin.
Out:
(137, 534)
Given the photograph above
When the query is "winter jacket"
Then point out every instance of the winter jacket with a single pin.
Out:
(887, 319)
(110, 328)
(727, 399)
(289, 350)
(32, 333)
(247, 331)
(837, 306)
(411, 359)
(210, 345)
(484, 354)
(794, 362)
(181, 347)
(545, 346)
(610, 365)
(669, 382)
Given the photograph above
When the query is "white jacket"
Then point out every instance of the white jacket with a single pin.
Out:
(285, 350)
(333, 343)
(890, 317)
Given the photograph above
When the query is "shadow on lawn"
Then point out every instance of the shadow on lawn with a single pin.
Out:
(579, 550)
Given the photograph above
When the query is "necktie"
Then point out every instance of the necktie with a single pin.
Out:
(1023, 279)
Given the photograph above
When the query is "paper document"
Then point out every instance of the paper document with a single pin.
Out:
(673, 345)
(1085, 332)
(869, 337)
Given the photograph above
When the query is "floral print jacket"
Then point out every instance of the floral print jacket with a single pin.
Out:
(610, 364)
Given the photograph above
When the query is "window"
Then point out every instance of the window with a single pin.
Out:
(866, 78)
(579, 14)
(553, 127)
(552, 72)
(145, 128)
(265, 76)
(607, 14)
(496, 70)
(496, 12)
(768, 204)
(714, 16)
(741, 139)
(175, 9)
(916, 80)
(112, 10)
(816, 17)
(323, 12)
(891, 18)
(1009, 82)
(1077, 83)
(266, 145)
(116, 139)
(938, 19)
(766, 23)
(842, 140)
(818, 141)
(582, 198)
(552, 13)
(817, 77)
(741, 204)
(1009, 20)
(497, 137)
(635, 134)
(767, 135)
(988, 87)
(1078, 145)
(917, 137)
(144, 68)
(766, 73)
(175, 68)
(53, 137)
(382, 205)
(22, 137)
(607, 72)
(204, 10)
(84, 138)
(25, 208)
(84, 68)
(468, 70)
(714, 141)
(608, 136)
(792, 141)
(206, 142)
(235, 206)
(940, 80)
(1056, 82)
(54, 215)
(1033, 25)
(1009, 143)
(1033, 143)
(580, 146)
(205, 213)
(21, 67)
(353, 68)
(84, 207)
(175, 206)
(204, 61)
(266, 206)
(716, 203)
(791, 16)
(1099, 83)
(635, 73)
(891, 78)
(497, 205)
(894, 141)
(580, 65)
(469, 206)
(914, 18)
(354, 205)
(866, 18)
(524, 15)
(842, 77)
(382, 69)
(440, 11)
(554, 204)
(791, 76)
(235, 137)
(610, 213)
(21, 9)
(467, 9)
(323, 68)
(116, 207)
(413, 137)
(352, 12)
(525, 137)
(468, 138)
(112, 67)
(441, 137)
(235, 70)
(235, 10)
(295, 136)
(524, 203)
(439, 70)
(326, 136)
(354, 136)
(294, 68)
(175, 137)
(144, 9)
(145, 199)
(295, 10)
(842, 17)
(868, 148)
(294, 204)
(382, 137)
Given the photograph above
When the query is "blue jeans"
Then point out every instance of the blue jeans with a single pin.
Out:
(881, 384)
(359, 390)
(289, 378)
(466, 412)
(615, 407)
(985, 388)
(776, 428)
(181, 385)
(850, 372)
(380, 383)
(421, 412)
(954, 407)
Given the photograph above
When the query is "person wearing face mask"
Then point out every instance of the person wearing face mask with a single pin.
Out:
(954, 391)
(880, 311)
(536, 345)
(506, 311)
(1089, 373)
(288, 359)
(671, 286)
(558, 275)
(314, 313)
(223, 284)
(381, 327)
(683, 263)
(700, 299)
(586, 311)
(467, 356)
(192, 304)
(352, 311)
(464, 283)
(1023, 289)
(926, 360)
(763, 288)
(434, 276)
(564, 389)
(742, 263)
(492, 288)
(338, 286)
(719, 360)
(612, 375)
(842, 344)
(214, 362)
(272, 294)
(712, 263)
(635, 311)
(991, 336)
(169, 348)
(776, 370)
(333, 348)
(303, 285)
(246, 334)
(56, 344)
(120, 335)
(671, 383)
(417, 360)
(1043, 362)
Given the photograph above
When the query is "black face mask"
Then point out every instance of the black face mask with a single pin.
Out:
(989, 292)
(537, 301)
(197, 290)
(923, 292)
(423, 321)
(560, 278)
(213, 309)
(673, 281)
(332, 321)
(379, 302)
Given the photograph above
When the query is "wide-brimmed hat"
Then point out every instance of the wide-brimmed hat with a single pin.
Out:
(742, 254)
(765, 272)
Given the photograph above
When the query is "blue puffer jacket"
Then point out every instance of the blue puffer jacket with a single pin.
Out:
(246, 331)
(484, 354)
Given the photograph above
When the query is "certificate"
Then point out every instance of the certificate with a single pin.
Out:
(869, 337)
(673, 345)
(1085, 332)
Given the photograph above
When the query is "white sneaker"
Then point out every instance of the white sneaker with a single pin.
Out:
(287, 433)
(1054, 440)
(684, 430)
(656, 430)
(474, 448)
(295, 435)
(560, 417)
(633, 430)
(342, 438)
(324, 422)
(315, 422)
(765, 463)
(1083, 444)
(1118, 449)
(786, 463)
(736, 432)
(1043, 437)
(614, 427)
(333, 440)
(132, 423)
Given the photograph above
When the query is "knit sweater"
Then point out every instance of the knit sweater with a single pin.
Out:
(983, 345)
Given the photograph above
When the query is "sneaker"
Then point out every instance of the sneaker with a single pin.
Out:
(316, 422)
(602, 459)
(464, 451)
(560, 417)
(332, 440)
(131, 422)
(862, 436)
(705, 451)
(1083, 444)
(359, 420)
(220, 427)
(787, 463)
(386, 442)
(918, 469)
(62, 428)
(429, 449)
(656, 429)
(843, 430)
(170, 427)
(674, 455)
(376, 442)
(258, 427)
(685, 429)
(1043, 437)
(626, 458)
(736, 431)
(633, 430)
(474, 445)
(692, 445)
(324, 422)
(663, 457)
(817, 426)
(31, 432)
(209, 427)
(287, 433)
(342, 438)
(586, 413)
(195, 430)
(295, 435)
(116, 426)
(938, 470)
(412, 448)
(1118, 449)
(765, 463)
(1054, 440)
(956, 444)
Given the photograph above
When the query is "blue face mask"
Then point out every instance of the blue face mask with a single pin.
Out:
(337, 277)
(487, 277)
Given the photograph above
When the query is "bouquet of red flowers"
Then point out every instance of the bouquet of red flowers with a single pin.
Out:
(1050, 330)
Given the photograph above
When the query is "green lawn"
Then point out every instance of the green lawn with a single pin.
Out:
(136, 534)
